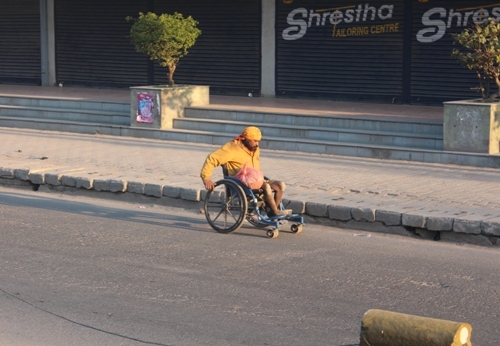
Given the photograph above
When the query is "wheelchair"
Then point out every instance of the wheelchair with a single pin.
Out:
(231, 202)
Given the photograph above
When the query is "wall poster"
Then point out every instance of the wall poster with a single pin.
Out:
(145, 108)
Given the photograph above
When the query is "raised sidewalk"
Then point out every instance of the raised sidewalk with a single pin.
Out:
(446, 202)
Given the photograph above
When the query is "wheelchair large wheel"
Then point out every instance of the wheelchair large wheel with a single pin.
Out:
(225, 206)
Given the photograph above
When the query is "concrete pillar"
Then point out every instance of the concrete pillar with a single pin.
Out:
(47, 43)
(472, 127)
(386, 328)
(268, 48)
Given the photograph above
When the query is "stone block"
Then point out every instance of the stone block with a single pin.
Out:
(53, 179)
(37, 178)
(491, 228)
(153, 190)
(117, 185)
(84, 183)
(467, 226)
(388, 218)
(436, 223)
(339, 212)
(68, 181)
(316, 209)
(6, 173)
(135, 187)
(363, 214)
(21, 174)
(298, 207)
(190, 194)
(203, 194)
(173, 191)
(413, 220)
(101, 185)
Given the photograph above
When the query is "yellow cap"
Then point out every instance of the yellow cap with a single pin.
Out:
(252, 133)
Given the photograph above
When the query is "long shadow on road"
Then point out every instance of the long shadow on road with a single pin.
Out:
(82, 208)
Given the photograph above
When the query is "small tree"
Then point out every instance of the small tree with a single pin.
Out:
(165, 38)
(481, 54)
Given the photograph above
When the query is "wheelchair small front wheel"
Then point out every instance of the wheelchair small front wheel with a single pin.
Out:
(273, 233)
(225, 206)
(295, 228)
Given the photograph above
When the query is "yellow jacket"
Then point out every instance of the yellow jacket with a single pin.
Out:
(234, 155)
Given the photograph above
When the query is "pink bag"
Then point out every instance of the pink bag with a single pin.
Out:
(251, 177)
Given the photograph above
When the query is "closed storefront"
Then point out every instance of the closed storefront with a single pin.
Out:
(20, 58)
(226, 56)
(340, 49)
(435, 75)
(93, 47)
(92, 44)
(396, 51)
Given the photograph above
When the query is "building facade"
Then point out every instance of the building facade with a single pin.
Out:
(395, 51)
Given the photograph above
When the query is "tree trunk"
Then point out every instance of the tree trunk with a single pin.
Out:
(171, 70)
(497, 94)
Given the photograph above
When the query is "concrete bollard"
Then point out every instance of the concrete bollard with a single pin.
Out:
(386, 328)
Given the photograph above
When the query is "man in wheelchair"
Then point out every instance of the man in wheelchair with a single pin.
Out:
(244, 149)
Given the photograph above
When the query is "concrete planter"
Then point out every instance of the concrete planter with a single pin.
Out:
(471, 126)
(155, 106)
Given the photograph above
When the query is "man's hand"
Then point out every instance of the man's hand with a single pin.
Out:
(209, 184)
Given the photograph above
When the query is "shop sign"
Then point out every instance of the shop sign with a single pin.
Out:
(361, 20)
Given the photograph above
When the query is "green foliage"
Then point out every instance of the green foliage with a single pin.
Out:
(164, 38)
(481, 54)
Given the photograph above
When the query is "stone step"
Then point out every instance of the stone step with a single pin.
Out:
(385, 125)
(268, 143)
(294, 132)
(66, 114)
(53, 103)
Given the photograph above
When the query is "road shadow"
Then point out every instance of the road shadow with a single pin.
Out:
(142, 216)
(139, 216)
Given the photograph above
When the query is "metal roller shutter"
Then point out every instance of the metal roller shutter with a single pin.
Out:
(20, 56)
(436, 75)
(340, 49)
(226, 55)
(92, 43)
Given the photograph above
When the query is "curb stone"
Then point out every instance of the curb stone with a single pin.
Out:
(388, 218)
(6, 173)
(467, 226)
(491, 227)
(339, 212)
(84, 183)
(36, 178)
(316, 209)
(21, 174)
(153, 190)
(363, 214)
(135, 187)
(53, 179)
(435, 223)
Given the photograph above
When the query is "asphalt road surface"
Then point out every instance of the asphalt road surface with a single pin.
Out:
(76, 270)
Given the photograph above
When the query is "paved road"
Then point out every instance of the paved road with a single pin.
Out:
(443, 191)
(85, 271)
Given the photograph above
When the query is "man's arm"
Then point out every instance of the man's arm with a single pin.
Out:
(215, 159)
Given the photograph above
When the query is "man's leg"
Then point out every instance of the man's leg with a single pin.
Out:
(273, 200)
(278, 187)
